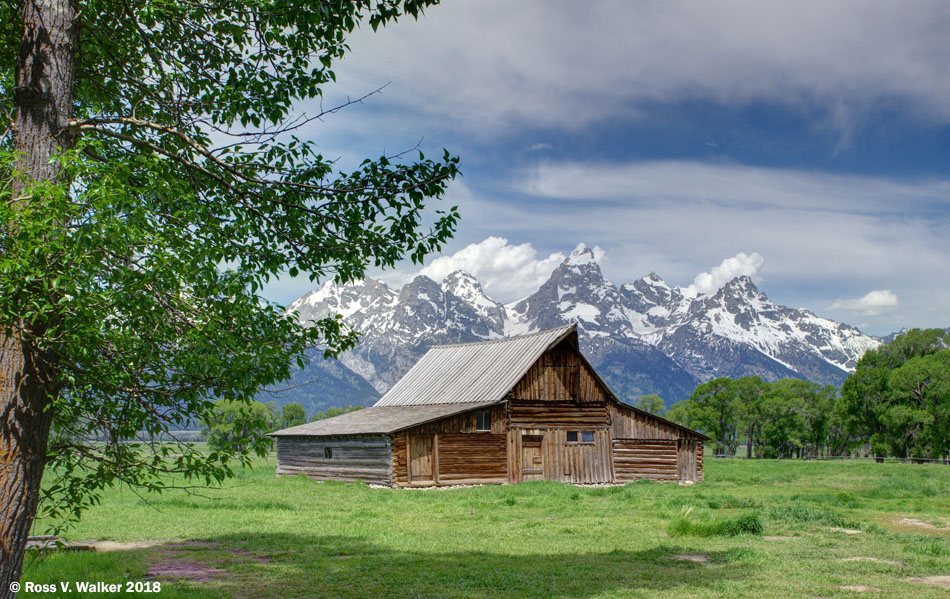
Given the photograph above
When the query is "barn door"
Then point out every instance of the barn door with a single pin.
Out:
(420, 458)
(686, 459)
(532, 458)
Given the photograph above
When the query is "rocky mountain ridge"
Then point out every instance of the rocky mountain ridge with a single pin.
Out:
(643, 337)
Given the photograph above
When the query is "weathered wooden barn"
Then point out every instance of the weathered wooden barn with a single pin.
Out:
(504, 411)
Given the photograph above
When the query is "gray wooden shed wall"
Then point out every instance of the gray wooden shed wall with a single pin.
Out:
(367, 458)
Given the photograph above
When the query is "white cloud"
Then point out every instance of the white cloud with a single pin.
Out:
(872, 304)
(739, 265)
(600, 255)
(826, 236)
(506, 272)
(729, 185)
(554, 63)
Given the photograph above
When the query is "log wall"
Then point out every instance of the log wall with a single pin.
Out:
(367, 458)
(472, 458)
(449, 459)
(535, 414)
(699, 460)
(645, 458)
(582, 463)
(686, 459)
(455, 452)
(400, 459)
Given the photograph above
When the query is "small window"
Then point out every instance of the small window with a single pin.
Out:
(587, 437)
(572, 436)
(483, 420)
(328, 453)
(580, 436)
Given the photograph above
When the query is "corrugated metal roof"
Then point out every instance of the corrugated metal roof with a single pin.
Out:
(378, 420)
(471, 372)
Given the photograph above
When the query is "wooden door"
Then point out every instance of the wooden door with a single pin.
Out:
(686, 459)
(532, 457)
(420, 458)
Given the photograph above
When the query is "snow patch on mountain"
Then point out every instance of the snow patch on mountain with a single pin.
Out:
(647, 336)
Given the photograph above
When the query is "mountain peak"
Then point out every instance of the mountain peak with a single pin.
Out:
(581, 255)
(742, 283)
(420, 284)
(422, 280)
(333, 289)
(458, 276)
(341, 298)
(655, 280)
(465, 286)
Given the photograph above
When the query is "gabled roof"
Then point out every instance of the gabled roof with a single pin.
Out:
(472, 372)
(379, 420)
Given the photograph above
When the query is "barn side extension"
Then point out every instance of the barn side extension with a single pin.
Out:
(505, 411)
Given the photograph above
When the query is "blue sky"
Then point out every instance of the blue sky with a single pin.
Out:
(804, 143)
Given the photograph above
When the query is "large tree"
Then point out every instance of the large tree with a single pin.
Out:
(917, 412)
(151, 185)
(238, 424)
(749, 392)
(651, 403)
(886, 408)
(715, 410)
(292, 414)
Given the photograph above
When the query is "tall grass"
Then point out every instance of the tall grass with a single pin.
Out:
(802, 514)
(686, 524)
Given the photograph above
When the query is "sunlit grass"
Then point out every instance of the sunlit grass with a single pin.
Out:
(775, 529)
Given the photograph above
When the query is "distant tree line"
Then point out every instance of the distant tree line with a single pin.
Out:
(239, 424)
(895, 403)
(784, 419)
(331, 412)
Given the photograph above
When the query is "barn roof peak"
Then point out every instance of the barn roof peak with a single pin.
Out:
(472, 372)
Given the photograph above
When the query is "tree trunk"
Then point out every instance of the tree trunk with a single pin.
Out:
(936, 446)
(748, 445)
(45, 74)
(722, 434)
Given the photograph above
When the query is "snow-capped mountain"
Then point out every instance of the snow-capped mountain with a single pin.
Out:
(398, 327)
(643, 337)
(738, 331)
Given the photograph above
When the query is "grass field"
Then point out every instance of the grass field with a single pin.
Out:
(752, 529)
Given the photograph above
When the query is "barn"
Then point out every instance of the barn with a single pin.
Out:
(502, 411)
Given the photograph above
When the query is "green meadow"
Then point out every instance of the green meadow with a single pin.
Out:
(761, 528)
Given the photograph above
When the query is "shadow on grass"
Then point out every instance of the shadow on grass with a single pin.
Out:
(288, 566)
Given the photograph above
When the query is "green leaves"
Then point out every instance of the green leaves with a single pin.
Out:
(917, 414)
(292, 414)
(652, 403)
(785, 418)
(236, 426)
(899, 395)
(140, 271)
